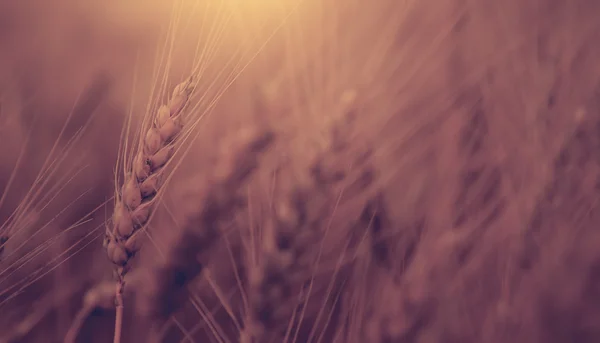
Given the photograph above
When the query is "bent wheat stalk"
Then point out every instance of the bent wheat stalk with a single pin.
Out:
(134, 203)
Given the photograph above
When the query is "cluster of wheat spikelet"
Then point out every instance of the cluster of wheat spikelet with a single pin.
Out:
(134, 202)
(144, 176)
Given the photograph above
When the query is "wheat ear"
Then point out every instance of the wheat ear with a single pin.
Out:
(134, 203)
(281, 282)
(277, 281)
(189, 252)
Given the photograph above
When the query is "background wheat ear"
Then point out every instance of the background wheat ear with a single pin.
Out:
(100, 296)
(165, 286)
(292, 284)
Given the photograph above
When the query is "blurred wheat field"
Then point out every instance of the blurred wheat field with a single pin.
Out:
(346, 171)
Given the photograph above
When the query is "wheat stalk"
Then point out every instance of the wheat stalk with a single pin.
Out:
(134, 203)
